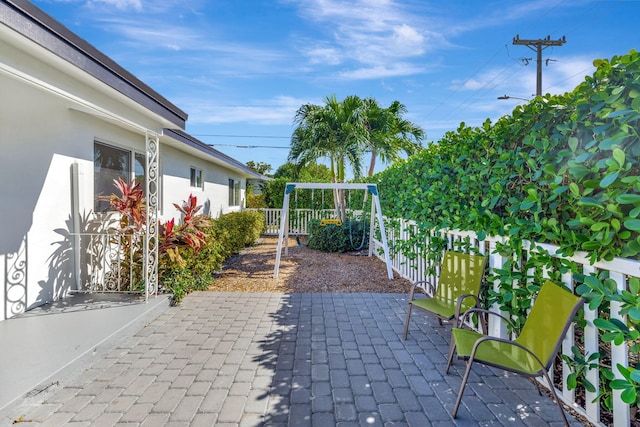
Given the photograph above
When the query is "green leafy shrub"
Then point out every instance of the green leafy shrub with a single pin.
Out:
(338, 238)
(563, 169)
(237, 230)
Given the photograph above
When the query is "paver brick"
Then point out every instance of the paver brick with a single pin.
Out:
(322, 419)
(106, 419)
(154, 392)
(213, 400)
(366, 404)
(57, 419)
(383, 392)
(322, 404)
(346, 412)
(169, 400)
(232, 409)
(153, 420)
(136, 413)
(391, 412)
(121, 404)
(186, 408)
(89, 412)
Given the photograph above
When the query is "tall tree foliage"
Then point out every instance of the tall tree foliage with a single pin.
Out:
(389, 134)
(335, 131)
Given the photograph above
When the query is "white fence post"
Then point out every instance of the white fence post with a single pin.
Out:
(590, 347)
(619, 355)
(567, 344)
(497, 328)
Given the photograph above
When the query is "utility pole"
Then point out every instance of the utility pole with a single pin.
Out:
(538, 46)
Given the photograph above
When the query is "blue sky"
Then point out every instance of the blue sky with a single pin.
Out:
(241, 68)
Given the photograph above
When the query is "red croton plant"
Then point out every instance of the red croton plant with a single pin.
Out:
(130, 204)
(188, 234)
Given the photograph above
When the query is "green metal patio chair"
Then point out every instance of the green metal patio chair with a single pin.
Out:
(457, 290)
(532, 352)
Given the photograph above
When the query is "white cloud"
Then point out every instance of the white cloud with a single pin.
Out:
(119, 4)
(324, 55)
(408, 40)
(381, 71)
(564, 75)
(370, 33)
(277, 111)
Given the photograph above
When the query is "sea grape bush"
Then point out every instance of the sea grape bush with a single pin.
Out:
(562, 169)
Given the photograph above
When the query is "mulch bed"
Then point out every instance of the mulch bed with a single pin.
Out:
(305, 270)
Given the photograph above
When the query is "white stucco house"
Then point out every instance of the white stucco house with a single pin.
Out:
(71, 120)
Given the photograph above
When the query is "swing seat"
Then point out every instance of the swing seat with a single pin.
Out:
(325, 222)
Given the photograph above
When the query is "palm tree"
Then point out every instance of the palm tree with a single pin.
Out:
(389, 133)
(335, 131)
(342, 131)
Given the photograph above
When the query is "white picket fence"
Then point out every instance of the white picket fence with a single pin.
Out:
(414, 266)
(298, 219)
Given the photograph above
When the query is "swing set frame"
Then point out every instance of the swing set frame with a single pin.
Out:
(376, 213)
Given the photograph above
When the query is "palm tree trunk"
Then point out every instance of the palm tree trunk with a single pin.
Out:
(372, 163)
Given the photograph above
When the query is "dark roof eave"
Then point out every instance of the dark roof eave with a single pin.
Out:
(189, 140)
(33, 23)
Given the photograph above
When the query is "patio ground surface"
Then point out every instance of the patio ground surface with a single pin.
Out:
(272, 359)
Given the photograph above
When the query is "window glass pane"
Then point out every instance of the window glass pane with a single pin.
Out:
(109, 164)
(237, 194)
(231, 193)
(140, 169)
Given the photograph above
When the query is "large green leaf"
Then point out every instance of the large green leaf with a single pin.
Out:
(609, 179)
(632, 224)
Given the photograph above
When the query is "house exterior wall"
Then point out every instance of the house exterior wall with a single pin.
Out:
(176, 184)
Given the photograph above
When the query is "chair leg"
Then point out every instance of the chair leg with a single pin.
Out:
(462, 386)
(406, 322)
(555, 396)
(452, 350)
(535, 382)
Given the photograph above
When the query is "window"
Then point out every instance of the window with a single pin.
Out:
(234, 192)
(196, 178)
(111, 163)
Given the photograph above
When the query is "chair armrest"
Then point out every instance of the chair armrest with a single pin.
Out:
(482, 310)
(417, 284)
(461, 298)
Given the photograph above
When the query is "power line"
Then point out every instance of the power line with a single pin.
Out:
(250, 146)
(240, 136)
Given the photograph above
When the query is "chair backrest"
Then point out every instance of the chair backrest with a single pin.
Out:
(548, 321)
(460, 274)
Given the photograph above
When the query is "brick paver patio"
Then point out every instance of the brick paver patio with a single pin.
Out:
(267, 359)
